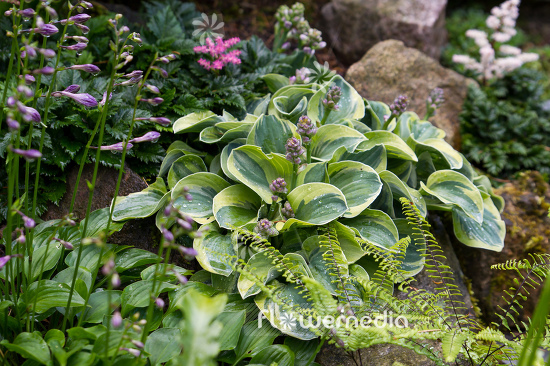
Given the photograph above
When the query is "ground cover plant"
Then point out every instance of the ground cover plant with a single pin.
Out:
(297, 197)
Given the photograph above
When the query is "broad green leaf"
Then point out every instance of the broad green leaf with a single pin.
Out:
(196, 122)
(233, 322)
(43, 259)
(453, 188)
(138, 294)
(50, 294)
(97, 222)
(277, 353)
(225, 156)
(350, 105)
(176, 150)
(400, 189)
(141, 204)
(414, 259)
(236, 206)
(312, 173)
(225, 132)
(484, 185)
(282, 319)
(374, 114)
(134, 257)
(30, 346)
(258, 106)
(442, 153)
(322, 259)
(375, 157)
(203, 187)
(271, 134)
(488, 235)
(359, 183)
(375, 226)
(168, 270)
(98, 305)
(257, 170)
(285, 108)
(66, 276)
(316, 203)
(215, 251)
(184, 166)
(329, 138)
(395, 146)
(162, 345)
(275, 82)
(403, 124)
(304, 351)
(90, 256)
(200, 338)
(350, 247)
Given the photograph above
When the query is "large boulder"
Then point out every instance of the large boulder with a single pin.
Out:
(140, 233)
(390, 68)
(527, 232)
(354, 26)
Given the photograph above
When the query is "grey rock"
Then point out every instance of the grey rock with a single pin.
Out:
(390, 68)
(353, 26)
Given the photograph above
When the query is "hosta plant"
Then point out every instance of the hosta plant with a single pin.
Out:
(306, 159)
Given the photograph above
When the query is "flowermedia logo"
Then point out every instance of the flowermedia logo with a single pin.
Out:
(208, 27)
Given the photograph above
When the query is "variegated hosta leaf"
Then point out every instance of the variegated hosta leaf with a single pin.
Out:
(196, 122)
(350, 247)
(487, 235)
(141, 204)
(286, 320)
(330, 138)
(443, 154)
(258, 106)
(215, 251)
(275, 82)
(315, 204)
(359, 183)
(224, 157)
(236, 206)
(400, 189)
(395, 146)
(403, 125)
(375, 157)
(288, 102)
(175, 151)
(184, 166)
(374, 114)
(322, 259)
(271, 133)
(312, 173)
(414, 260)
(257, 170)
(203, 187)
(453, 188)
(225, 132)
(484, 185)
(350, 105)
(375, 226)
(259, 264)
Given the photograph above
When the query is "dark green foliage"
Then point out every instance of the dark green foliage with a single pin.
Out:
(504, 126)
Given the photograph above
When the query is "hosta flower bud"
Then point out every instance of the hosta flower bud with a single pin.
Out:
(134, 74)
(163, 121)
(13, 125)
(30, 51)
(302, 76)
(27, 221)
(294, 150)
(51, 11)
(152, 136)
(188, 252)
(25, 90)
(65, 243)
(47, 70)
(8, 13)
(108, 267)
(140, 344)
(4, 260)
(332, 98)
(93, 69)
(84, 99)
(181, 278)
(265, 228)
(115, 280)
(74, 88)
(82, 28)
(168, 236)
(21, 238)
(152, 89)
(278, 186)
(26, 13)
(399, 105)
(29, 155)
(185, 225)
(159, 304)
(29, 114)
(76, 47)
(11, 102)
(116, 320)
(435, 100)
(48, 53)
(153, 101)
(287, 210)
(134, 352)
(46, 30)
(29, 79)
(306, 129)
(86, 5)
(119, 146)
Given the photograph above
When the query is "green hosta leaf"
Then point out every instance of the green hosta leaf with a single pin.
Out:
(330, 138)
(488, 235)
(224, 157)
(168, 270)
(138, 294)
(351, 103)
(257, 170)
(277, 353)
(90, 256)
(271, 133)
(30, 346)
(66, 276)
(395, 146)
(43, 259)
(97, 222)
(99, 306)
(350, 247)
(359, 183)
(403, 125)
(225, 132)
(400, 189)
(50, 294)
(375, 226)
(281, 318)
(316, 204)
(201, 334)
(196, 122)
(321, 262)
(215, 251)
(184, 166)
(374, 114)
(236, 206)
(414, 259)
(162, 345)
(141, 204)
(233, 322)
(442, 153)
(312, 173)
(484, 185)
(453, 188)
(134, 257)
(203, 187)
(258, 106)
(275, 82)
(175, 151)
(375, 157)
(285, 108)
(304, 351)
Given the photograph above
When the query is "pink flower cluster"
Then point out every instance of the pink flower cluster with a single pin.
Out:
(218, 51)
